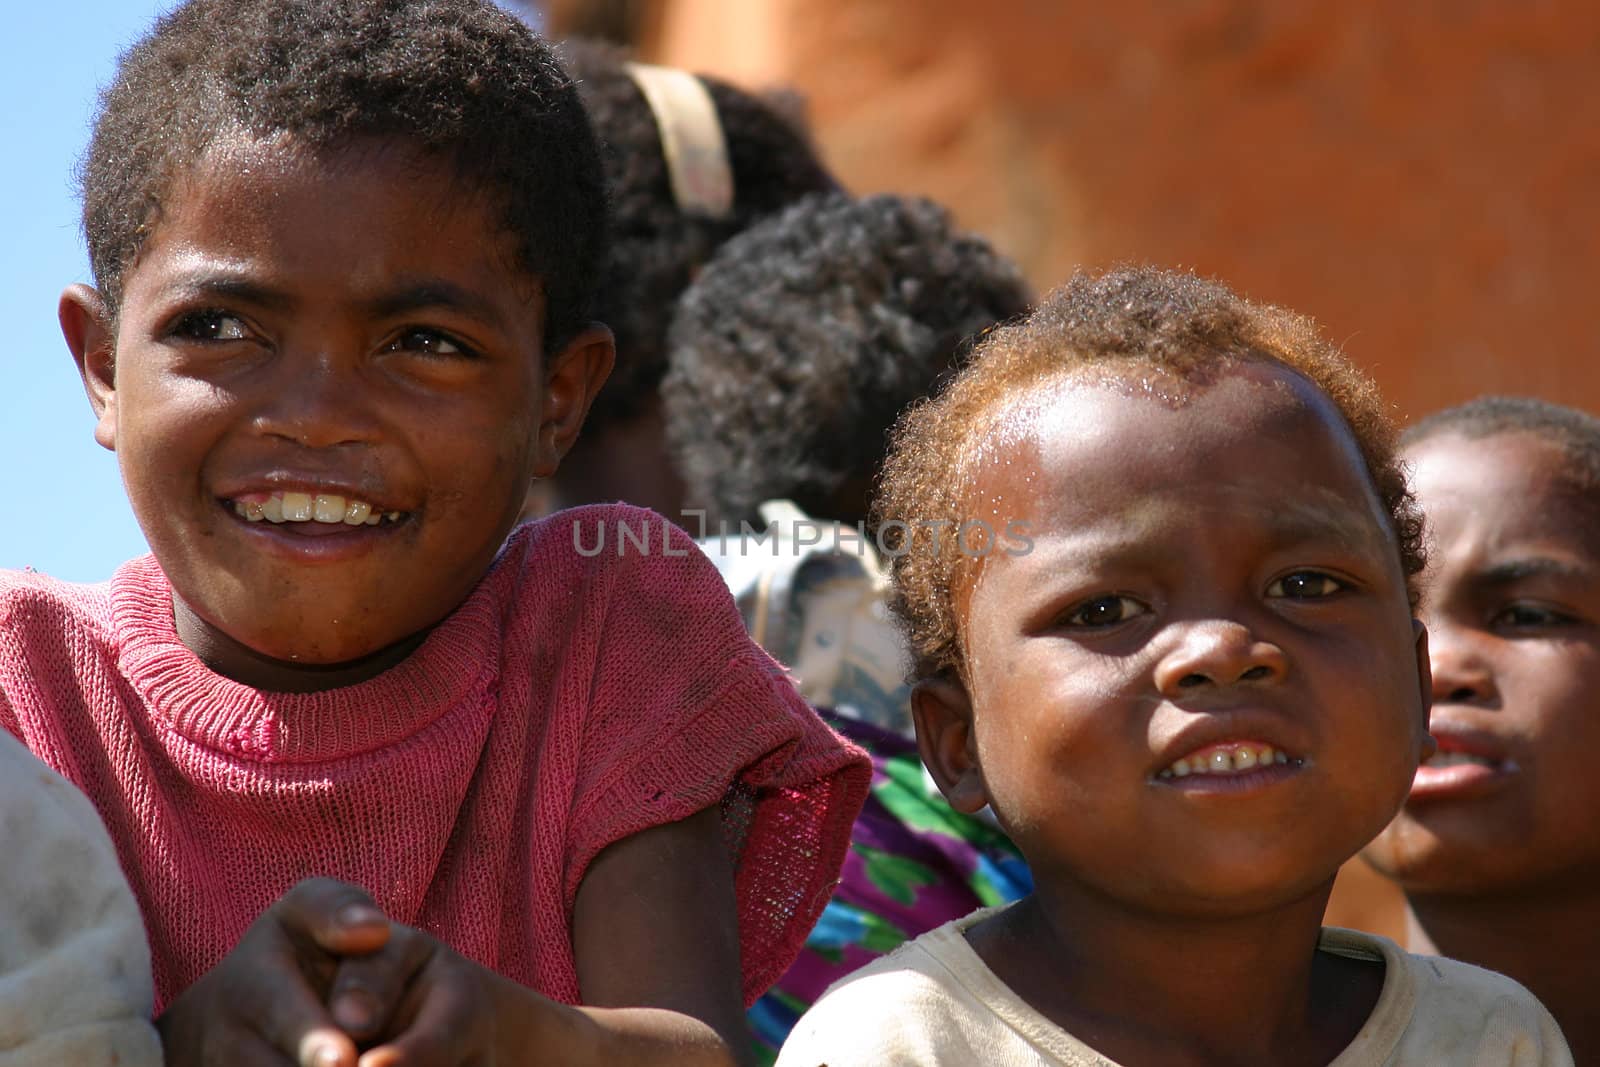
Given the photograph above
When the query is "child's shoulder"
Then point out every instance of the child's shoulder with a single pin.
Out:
(628, 549)
(1438, 1010)
(930, 1001)
(28, 597)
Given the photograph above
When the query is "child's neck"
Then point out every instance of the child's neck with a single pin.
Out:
(1142, 989)
(1548, 941)
(243, 664)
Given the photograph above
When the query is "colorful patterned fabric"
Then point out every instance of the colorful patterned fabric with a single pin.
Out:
(914, 864)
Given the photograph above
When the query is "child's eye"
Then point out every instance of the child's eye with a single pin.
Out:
(1305, 585)
(211, 325)
(1529, 616)
(431, 342)
(1104, 611)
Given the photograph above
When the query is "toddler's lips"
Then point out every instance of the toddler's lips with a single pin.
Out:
(1230, 767)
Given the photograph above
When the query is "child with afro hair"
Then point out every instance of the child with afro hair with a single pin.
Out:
(663, 229)
(790, 357)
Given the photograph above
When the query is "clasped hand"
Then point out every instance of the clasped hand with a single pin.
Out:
(324, 979)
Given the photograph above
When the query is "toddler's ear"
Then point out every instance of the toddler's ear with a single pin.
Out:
(942, 711)
(86, 324)
(572, 377)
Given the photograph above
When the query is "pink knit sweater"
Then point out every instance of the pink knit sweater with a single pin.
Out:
(572, 700)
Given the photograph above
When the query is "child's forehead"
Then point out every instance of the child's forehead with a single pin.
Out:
(1102, 421)
(1516, 482)
(276, 206)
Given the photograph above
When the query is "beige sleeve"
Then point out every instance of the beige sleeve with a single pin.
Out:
(1467, 1015)
(75, 985)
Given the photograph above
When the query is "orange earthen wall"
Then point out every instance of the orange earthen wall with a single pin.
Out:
(1423, 178)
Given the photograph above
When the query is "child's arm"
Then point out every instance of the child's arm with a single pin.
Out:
(656, 941)
(654, 929)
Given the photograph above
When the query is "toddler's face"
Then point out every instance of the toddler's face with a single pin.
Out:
(1199, 692)
(328, 397)
(1512, 603)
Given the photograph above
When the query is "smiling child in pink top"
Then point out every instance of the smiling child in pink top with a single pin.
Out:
(344, 256)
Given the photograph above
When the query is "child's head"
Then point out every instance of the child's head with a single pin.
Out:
(735, 158)
(1511, 599)
(459, 79)
(1192, 679)
(802, 340)
(345, 255)
(657, 243)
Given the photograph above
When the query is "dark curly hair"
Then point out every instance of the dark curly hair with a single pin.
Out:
(460, 78)
(656, 248)
(1576, 433)
(1135, 317)
(797, 346)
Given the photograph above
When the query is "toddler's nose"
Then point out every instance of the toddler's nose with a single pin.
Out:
(1218, 653)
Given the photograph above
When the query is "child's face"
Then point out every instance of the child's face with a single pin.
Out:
(1512, 603)
(1212, 583)
(334, 337)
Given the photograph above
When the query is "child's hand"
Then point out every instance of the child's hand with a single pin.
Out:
(264, 1003)
(424, 1005)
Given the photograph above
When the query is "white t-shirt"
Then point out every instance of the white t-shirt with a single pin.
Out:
(934, 1001)
(75, 983)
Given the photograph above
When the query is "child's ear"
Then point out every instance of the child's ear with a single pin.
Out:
(572, 377)
(1425, 680)
(86, 324)
(942, 711)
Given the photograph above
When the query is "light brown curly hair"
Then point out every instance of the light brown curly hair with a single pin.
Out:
(1170, 321)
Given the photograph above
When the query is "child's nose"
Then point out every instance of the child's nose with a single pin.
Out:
(1218, 653)
(1461, 675)
(319, 402)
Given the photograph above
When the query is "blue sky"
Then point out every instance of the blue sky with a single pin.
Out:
(62, 509)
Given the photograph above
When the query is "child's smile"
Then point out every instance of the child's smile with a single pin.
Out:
(328, 400)
(1202, 683)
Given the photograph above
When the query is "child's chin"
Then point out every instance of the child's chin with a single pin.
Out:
(1236, 889)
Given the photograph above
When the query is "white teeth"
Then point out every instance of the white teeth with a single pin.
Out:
(297, 507)
(328, 508)
(1233, 760)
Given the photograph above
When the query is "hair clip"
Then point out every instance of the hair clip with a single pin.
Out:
(691, 138)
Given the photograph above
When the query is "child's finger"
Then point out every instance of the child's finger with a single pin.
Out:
(336, 916)
(438, 1033)
(292, 1021)
(367, 989)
